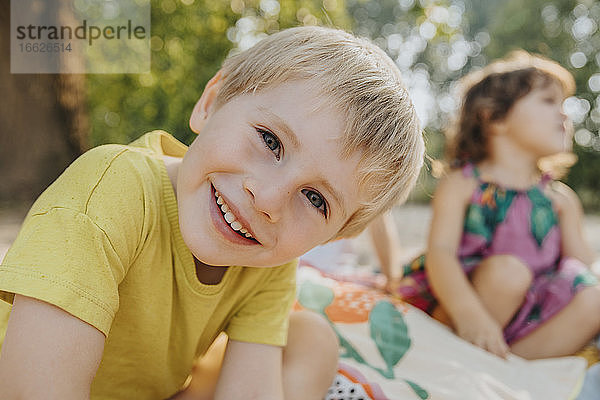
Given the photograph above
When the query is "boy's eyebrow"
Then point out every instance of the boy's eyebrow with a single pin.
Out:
(282, 125)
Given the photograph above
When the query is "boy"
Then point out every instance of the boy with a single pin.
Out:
(137, 257)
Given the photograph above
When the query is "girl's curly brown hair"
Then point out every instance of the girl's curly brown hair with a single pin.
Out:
(490, 93)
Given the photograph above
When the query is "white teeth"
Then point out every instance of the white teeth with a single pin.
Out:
(230, 218)
(236, 225)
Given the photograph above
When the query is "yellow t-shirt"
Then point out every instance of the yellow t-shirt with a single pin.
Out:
(103, 243)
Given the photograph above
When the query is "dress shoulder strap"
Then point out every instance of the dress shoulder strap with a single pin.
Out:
(470, 170)
(545, 180)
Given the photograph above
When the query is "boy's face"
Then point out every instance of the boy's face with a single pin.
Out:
(264, 181)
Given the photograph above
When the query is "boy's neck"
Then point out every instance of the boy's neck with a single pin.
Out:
(207, 274)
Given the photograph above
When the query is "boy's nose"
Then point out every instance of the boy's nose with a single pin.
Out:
(268, 198)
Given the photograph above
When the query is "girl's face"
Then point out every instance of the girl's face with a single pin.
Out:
(537, 123)
(264, 181)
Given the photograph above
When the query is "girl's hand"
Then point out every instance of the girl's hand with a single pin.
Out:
(483, 331)
(448, 280)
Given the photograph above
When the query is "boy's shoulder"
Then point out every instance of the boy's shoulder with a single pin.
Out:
(108, 173)
(149, 148)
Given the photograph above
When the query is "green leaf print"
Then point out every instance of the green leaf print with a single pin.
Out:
(585, 278)
(390, 333)
(543, 217)
(419, 391)
(504, 200)
(349, 350)
(388, 330)
(315, 297)
(418, 264)
(475, 222)
(535, 313)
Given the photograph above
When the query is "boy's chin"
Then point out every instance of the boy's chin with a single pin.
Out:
(219, 261)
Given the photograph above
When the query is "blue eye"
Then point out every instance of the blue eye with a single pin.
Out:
(316, 200)
(271, 141)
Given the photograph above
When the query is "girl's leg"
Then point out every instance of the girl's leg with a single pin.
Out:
(501, 282)
(566, 332)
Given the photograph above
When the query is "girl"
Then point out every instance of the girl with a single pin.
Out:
(506, 262)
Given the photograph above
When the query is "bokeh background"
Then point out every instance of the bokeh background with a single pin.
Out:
(46, 121)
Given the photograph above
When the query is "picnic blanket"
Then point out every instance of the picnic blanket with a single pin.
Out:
(390, 350)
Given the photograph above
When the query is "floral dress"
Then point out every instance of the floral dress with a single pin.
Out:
(522, 223)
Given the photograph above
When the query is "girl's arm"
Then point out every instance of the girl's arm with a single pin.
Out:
(450, 284)
(386, 242)
(570, 217)
(47, 353)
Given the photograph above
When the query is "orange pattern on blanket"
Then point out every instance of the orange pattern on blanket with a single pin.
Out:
(352, 304)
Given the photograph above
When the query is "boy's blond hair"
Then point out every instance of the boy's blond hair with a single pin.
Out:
(364, 84)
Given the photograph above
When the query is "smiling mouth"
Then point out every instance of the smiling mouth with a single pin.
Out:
(231, 219)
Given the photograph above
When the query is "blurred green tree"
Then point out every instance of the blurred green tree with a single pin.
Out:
(434, 42)
(428, 40)
(565, 31)
(188, 44)
(190, 39)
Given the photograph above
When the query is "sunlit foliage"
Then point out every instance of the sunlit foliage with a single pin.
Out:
(190, 39)
(566, 31)
(434, 42)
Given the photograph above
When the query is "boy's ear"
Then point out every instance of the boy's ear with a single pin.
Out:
(203, 106)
